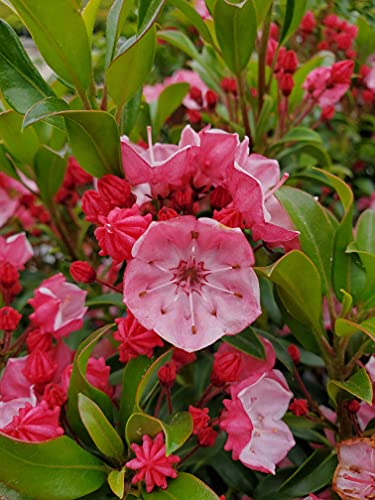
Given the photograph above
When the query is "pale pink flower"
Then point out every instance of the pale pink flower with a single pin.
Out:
(191, 281)
(16, 250)
(252, 419)
(38, 423)
(119, 231)
(354, 477)
(59, 306)
(200, 7)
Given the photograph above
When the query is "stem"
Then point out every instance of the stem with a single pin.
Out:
(108, 285)
(188, 455)
(159, 402)
(243, 106)
(262, 60)
(85, 100)
(63, 233)
(169, 401)
(103, 104)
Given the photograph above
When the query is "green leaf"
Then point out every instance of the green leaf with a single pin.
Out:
(129, 70)
(262, 7)
(21, 144)
(295, 10)
(359, 385)
(181, 41)
(60, 34)
(89, 16)
(93, 135)
(176, 432)
(305, 429)
(6, 165)
(57, 469)
(150, 379)
(365, 231)
(10, 494)
(133, 373)
(236, 30)
(99, 428)
(130, 113)
(116, 481)
(49, 172)
(20, 82)
(107, 299)
(247, 342)
(299, 286)
(280, 349)
(169, 100)
(46, 110)
(346, 328)
(116, 18)
(184, 487)
(300, 134)
(79, 384)
(148, 11)
(263, 120)
(195, 19)
(317, 229)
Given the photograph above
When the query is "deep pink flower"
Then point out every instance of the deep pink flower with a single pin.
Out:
(299, 407)
(15, 250)
(97, 373)
(151, 463)
(135, 339)
(40, 367)
(167, 374)
(59, 306)
(38, 423)
(354, 477)
(9, 318)
(82, 272)
(191, 282)
(200, 418)
(120, 230)
(252, 419)
(308, 22)
(226, 368)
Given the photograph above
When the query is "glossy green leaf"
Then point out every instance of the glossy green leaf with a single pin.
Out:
(116, 481)
(195, 19)
(299, 286)
(300, 134)
(365, 231)
(107, 299)
(129, 70)
(305, 429)
(367, 293)
(93, 135)
(169, 100)
(262, 7)
(89, 16)
(346, 328)
(58, 469)
(358, 385)
(6, 165)
(49, 172)
(133, 373)
(280, 349)
(177, 431)
(130, 113)
(79, 384)
(21, 144)
(115, 21)
(236, 30)
(184, 487)
(150, 379)
(46, 110)
(317, 229)
(20, 82)
(247, 342)
(99, 428)
(148, 11)
(60, 34)
(294, 12)
(179, 40)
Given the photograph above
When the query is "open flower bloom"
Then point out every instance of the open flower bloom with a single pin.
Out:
(252, 419)
(58, 306)
(15, 250)
(191, 281)
(354, 477)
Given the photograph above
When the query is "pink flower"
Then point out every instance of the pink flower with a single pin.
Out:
(37, 423)
(97, 374)
(135, 339)
(354, 477)
(58, 306)
(151, 463)
(120, 230)
(200, 7)
(191, 282)
(252, 419)
(15, 250)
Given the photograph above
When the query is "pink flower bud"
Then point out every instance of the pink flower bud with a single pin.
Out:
(9, 319)
(167, 374)
(82, 272)
(294, 353)
(299, 407)
(286, 84)
(166, 213)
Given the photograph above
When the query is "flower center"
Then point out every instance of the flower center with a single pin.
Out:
(190, 275)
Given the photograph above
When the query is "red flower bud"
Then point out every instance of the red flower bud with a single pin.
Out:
(229, 85)
(200, 418)
(341, 72)
(308, 22)
(39, 367)
(294, 353)
(226, 368)
(167, 374)
(286, 84)
(82, 272)
(327, 113)
(115, 191)
(290, 62)
(196, 95)
(299, 407)
(353, 406)
(166, 213)
(54, 395)
(182, 358)
(220, 197)
(194, 116)
(8, 275)
(207, 437)
(211, 99)
(9, 319)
